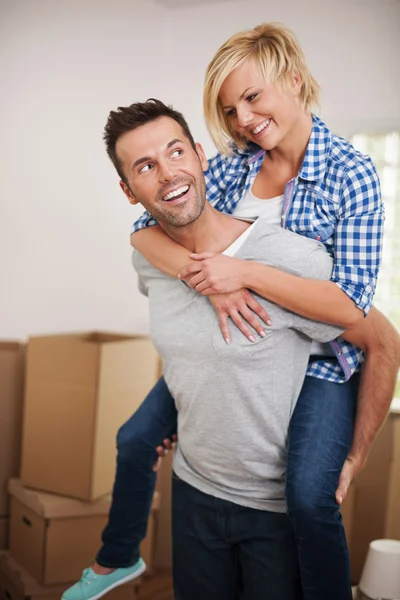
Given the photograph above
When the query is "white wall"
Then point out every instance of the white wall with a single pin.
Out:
(64, 227)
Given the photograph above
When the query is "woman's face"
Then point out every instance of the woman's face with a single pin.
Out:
(261, 112)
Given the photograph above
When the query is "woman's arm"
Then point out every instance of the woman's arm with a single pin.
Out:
(314, 299)
(311, 298)
(160, 250)
(169, 257)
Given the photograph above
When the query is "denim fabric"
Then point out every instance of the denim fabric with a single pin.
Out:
(135, 479)
(224, 551)
(320, 436)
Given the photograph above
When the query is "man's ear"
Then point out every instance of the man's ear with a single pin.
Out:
(202, 156)
(124, 187)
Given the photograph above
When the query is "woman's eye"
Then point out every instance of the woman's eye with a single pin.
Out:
(230, 113)
(251, 97)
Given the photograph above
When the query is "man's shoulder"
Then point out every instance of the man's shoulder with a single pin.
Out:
(286, 250)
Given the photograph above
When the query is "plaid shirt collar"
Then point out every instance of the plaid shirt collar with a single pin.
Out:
(316, 156)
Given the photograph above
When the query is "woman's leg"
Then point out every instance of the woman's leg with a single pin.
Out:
(135, 479)
(320, 436)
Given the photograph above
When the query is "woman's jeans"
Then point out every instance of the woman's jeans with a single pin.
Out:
(320, 436)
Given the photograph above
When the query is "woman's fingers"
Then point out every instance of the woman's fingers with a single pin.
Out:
(223, 324)
(258, 309)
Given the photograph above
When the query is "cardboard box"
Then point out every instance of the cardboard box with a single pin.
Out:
(80, 389)
(54, 538)
(3, 533)
(17, 584)
(372, 509)
(11, 386)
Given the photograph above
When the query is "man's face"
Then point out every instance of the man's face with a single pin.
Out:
(163, 171)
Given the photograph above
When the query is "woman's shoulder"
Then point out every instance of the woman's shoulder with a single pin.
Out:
(344, 155)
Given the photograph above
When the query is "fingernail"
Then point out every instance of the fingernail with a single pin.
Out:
(252, 338)
(179, 276)
(263, 334)
(340, 499)
(228, 341)
(269, 322)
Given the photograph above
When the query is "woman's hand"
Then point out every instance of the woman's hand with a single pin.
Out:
(214, 273)
(242, 308)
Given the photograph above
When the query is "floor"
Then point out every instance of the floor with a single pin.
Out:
(158, 587)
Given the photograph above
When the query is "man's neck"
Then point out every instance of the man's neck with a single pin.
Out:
(210, 232)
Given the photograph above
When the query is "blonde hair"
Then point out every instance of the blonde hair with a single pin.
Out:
(278, 55)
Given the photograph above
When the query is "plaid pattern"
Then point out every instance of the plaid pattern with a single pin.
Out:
(335, 199)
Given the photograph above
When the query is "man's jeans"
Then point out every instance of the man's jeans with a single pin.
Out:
(320, 436)
(223, 551)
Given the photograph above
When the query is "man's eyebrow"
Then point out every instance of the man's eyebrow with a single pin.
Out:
(139, 161)
(173, 142)
(144, 159)
(242, 95)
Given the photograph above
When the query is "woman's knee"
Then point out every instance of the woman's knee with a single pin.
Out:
(132, 438)
(311, 499)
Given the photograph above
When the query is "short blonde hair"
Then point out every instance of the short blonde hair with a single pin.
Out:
(278, 55)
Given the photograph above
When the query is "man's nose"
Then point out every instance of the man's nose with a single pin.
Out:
(166, 172)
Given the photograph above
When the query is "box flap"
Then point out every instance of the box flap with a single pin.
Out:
(51, 506)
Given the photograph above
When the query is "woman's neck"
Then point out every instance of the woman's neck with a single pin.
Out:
(291, 150)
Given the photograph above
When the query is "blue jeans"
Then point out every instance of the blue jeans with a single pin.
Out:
(319, 439)
(223, 551)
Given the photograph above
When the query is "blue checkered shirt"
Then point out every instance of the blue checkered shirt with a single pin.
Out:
(336, 199)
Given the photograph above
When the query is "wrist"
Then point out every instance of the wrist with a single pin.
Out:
(248, 274)
(357, 458)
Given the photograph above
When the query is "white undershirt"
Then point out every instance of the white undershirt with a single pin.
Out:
(251, 207)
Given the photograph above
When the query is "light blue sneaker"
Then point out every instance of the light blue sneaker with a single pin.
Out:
(92, 586)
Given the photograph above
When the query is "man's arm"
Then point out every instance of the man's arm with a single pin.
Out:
(380, 341)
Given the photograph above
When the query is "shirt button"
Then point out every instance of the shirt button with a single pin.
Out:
(340, 353)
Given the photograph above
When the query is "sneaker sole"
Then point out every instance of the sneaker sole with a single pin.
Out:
(130, 577)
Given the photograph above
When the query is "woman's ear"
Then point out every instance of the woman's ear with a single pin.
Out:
(296, 82)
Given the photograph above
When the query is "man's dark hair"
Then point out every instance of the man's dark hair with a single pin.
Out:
(128, 118)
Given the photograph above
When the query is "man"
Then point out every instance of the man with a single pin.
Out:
(234, 401)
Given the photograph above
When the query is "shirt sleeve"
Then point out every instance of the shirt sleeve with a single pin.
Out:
(215, 177)
(145, 220)
(359, 233)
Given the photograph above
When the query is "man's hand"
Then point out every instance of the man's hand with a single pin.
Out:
(214, 273)
(351, 467)
(242, 308)
(162, 451)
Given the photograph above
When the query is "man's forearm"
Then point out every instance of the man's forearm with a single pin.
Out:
(378, 382)
(311, 298)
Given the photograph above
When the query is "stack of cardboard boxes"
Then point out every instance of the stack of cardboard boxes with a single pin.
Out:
(79, 389)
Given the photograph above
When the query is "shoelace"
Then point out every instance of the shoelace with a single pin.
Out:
(88, 577)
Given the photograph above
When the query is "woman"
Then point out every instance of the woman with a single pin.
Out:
(277, 158)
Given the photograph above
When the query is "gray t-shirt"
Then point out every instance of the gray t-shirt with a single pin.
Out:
(235, 402)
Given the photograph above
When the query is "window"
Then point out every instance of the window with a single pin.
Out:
(384, 149)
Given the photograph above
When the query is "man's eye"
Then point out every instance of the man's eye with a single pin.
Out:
(145, 168)
(176, 153)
